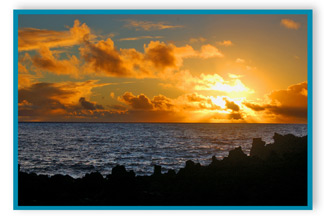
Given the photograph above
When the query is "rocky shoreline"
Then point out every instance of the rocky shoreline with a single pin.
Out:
(272, 175)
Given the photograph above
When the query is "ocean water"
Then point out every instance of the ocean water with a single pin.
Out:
(79, 148)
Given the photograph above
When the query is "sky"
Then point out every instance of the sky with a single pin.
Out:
(163, 68)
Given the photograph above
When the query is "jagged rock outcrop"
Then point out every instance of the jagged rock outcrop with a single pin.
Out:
(273, 175)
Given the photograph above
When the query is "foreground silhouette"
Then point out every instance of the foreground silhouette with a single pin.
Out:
(273, 174)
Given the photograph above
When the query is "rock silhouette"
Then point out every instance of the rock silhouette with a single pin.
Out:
(273, 175)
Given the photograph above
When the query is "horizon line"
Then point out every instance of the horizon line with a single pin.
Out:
(156, 122)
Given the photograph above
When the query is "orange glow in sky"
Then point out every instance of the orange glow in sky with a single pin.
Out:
(171, 68)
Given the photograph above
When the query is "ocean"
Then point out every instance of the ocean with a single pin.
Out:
(78, 148)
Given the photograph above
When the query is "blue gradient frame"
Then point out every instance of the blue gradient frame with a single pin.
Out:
(309, 14)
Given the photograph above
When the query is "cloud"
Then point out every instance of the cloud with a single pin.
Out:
(209, 51)
(235, 116)
(41, 99)
(189, 102)
(198, 102)
(295, 112)
(46, 61)
(112, 94)
(188, 107)
(22, 69)
(102, 57)
(149, 26)
(244, 65)
(196, 40)
(290, 105)
(234, 76)
(140, 38)
(294, 95)
(89, 105)
(157, 59)
(160, 54)
(70, 102)
(195, 97)
(254, 107)
(239, 60)
(32, 38)
(118, 108)
(225, 43)
(140, 102)
(210, 82)
(46, 101)
(169, 54)
(290, 24)
(25, 79)
(161, 102)
(231, 105)
(284, 111)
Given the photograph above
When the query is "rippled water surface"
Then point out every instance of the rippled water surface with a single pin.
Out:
(79, 148)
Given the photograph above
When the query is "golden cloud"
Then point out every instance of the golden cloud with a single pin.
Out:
(46, 61)
(148, 25)
(196, 40)
(140, 102)
(157, 59)
(239, 60)
(160, 54)
(160, 102)
(289, 105)
(232, 106)
(69, 101)
(140, 38)
(211, 82)
(22, 69)
(25, 79)
(102, 57)
(89, 105)
(294, 95)
(31, 38)
(47, 101)
(290, 24)
(209, 51)
(225, 43)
